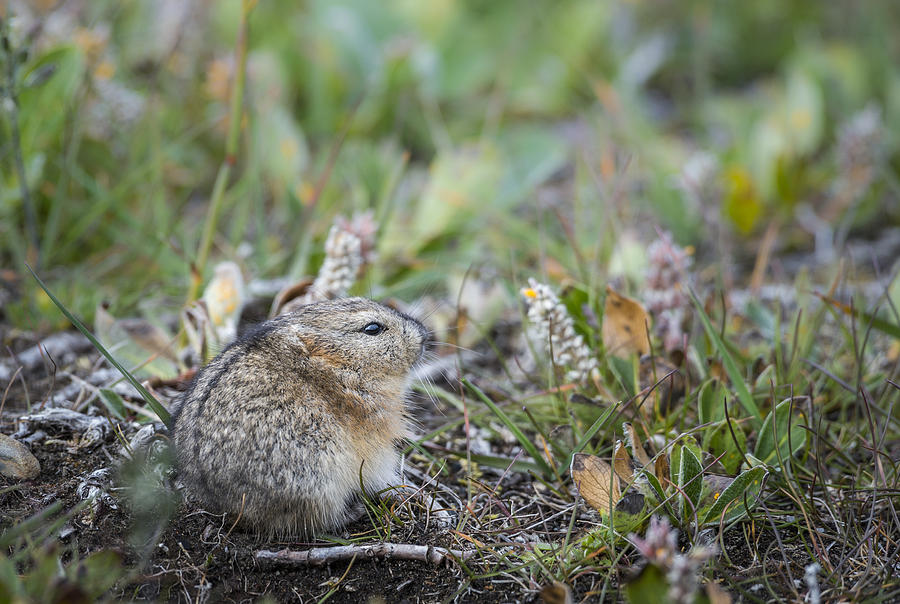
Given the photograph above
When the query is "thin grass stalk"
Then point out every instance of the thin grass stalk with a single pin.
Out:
(731, 367)
(529, 447)
(231, 142)
(32, 248)
(151, 401)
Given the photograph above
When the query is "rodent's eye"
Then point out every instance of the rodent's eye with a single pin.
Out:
(373, 329)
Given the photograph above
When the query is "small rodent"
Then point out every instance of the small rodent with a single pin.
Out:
(281, 425)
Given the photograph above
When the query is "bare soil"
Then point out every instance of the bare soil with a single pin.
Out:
(175, 552)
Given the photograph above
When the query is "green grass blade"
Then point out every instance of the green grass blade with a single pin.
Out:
(529, 446)
(743, 393)
(585, 439)
(149, 398)
(778, 437)
(113, 402)
(499, 462)
(868, 319)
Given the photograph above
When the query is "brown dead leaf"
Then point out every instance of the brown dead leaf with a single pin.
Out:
(661, 469)
(634, 441)
(622, 463)
(717, 370)
(625, 325)
(289, 293)
(596, 482)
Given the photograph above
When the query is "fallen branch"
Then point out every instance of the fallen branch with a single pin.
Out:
(398, 551)
(93, 429)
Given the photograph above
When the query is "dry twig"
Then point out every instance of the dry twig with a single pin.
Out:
(398, 551)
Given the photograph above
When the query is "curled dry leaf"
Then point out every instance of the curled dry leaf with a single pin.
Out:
(596, 482)
(625, 325)
(198, 327)
(224, 298)
(289, 294)
(661, 469)
(634, 442)
(622, 463)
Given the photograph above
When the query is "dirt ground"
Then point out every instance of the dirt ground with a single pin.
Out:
(176, 552)
(172, 551)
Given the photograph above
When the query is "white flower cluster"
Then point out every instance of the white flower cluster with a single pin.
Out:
(666, 294)
(363, 225)
(554, 327)
(343, 257)
(660, 547)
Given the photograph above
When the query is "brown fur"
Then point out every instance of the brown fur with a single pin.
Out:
(278, 427)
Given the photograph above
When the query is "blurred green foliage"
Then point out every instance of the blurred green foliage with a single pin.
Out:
(456, 115)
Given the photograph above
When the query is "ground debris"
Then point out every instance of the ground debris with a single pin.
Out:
(94, 430)
(95, 488)
(61, 347)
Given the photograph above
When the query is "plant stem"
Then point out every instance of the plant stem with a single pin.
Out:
(12, 106)
(231, 142)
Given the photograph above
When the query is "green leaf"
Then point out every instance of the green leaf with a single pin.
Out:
(97, 573)
(675, 457)
(747, 482)
(689, 481)
(624, 370)
(778, 439)
(719, 440)
(804, 110)
(737, 380)
(649, 586)
(11, 588)
(764, 381)
(149, 398)
(712, 401)
(762, 317)
(654, 483)
(113, 403)
(624, 520)
(459, 182)
(575, 298)
(43, 108)
(278, 144)
(886, 327)
(654, 490)
(42, 581)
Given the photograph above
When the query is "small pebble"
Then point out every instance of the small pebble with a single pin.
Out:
(16, 460)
